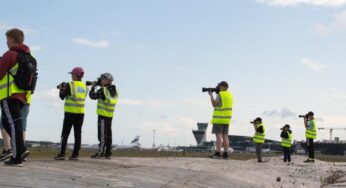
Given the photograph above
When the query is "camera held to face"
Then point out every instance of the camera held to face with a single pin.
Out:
(216, 89)
(98, 82)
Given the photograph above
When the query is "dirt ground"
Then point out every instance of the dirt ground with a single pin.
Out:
(172, 172)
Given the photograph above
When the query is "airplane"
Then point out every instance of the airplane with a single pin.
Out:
(134, 145)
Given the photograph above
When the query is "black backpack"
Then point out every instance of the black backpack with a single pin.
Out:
(26, 76)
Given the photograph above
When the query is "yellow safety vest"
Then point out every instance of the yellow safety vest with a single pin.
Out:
(7, 85)
(310, 132)
(259, 137)
(223, 114)
(76, 101)
(28, 97)
(287, 142)
(106, 107)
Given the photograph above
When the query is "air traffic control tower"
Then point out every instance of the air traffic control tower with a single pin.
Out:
(200, 134)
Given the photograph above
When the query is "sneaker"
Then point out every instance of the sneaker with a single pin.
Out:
(73, 158)
(260, 161)
(97, 156)
(225, 156)
(6, 155)
(108, 156)
(59, 157)
(25, 155)
(13, 163)
(215, 155)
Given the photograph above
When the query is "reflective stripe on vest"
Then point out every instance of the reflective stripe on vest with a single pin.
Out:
(259, 137)
(7, 85)
(223, 114)
(310, 132)
(76, 101)
(106, 107)
(287, 142)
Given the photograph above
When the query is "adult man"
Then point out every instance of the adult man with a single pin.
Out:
(259, 137)
(221, 119)
(310, 134)
(286, 143)
(11, 96)
(74, 94)
(107, 97)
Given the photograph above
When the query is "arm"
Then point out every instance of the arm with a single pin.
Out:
(6, 62)
(260, 129)
(97, 95)
(284, 135)
(214, 102)
(65, 91)
(306, 122)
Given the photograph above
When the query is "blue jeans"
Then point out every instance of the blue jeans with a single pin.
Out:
(23, 115)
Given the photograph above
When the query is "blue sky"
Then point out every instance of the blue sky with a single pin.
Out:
(281, 58)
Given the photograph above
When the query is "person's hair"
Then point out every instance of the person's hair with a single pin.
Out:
(16, 34)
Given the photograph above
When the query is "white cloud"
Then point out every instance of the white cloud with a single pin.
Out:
(131, 102)
(338, 24)
(313, 65)
(319, 3)
(49, 95)
(94, 44)
(35, 48)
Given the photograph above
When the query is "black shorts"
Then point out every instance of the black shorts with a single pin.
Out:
(220, 129)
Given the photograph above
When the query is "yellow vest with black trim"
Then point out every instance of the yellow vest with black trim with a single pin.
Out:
(7, 85)
(223, 114)
(106, 107)
(310, 131)
(287, 142)
(28, 97)
(75, 102)
(259, 137)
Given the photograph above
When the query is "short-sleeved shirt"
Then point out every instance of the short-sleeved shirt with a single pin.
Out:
(218, 100)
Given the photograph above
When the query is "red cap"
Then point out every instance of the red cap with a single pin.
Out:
(78, 71)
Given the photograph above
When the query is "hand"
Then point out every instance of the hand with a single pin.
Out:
(93, 84)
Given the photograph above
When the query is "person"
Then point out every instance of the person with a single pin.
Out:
(221, 119)
(7, 151)
(107, 97)
(310, 134)
(74, 94)
(286, 143)
(11, 96)
(259, 137)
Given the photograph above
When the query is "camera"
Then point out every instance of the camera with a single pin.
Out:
(210, 89)
(62, 84)
(89, 83)
(303, 116)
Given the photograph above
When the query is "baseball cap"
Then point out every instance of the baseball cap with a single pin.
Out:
(223, 83)
(78, 71)
(287, 125)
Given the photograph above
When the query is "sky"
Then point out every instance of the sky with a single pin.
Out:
(281, 58)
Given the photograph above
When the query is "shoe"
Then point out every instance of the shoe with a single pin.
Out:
(25, 155)
(108, 156)
(97, 156)
(215, 155)
(6, 155)
(59, 157)
(73, 158)
(309, 161)
(260, 161)
(13, 163)
(225, 156)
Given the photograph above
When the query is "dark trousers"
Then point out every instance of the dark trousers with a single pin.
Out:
(105, 135)
(259, 151)
(11, 120)
(287, 154)
(310, 145)
(75, 120)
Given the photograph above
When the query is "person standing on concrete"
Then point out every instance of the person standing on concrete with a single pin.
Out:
(259, 137)
(13, 95)
(107, 97)
(221, 120)
(286, 143)
(310, 134)
(74, 94)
